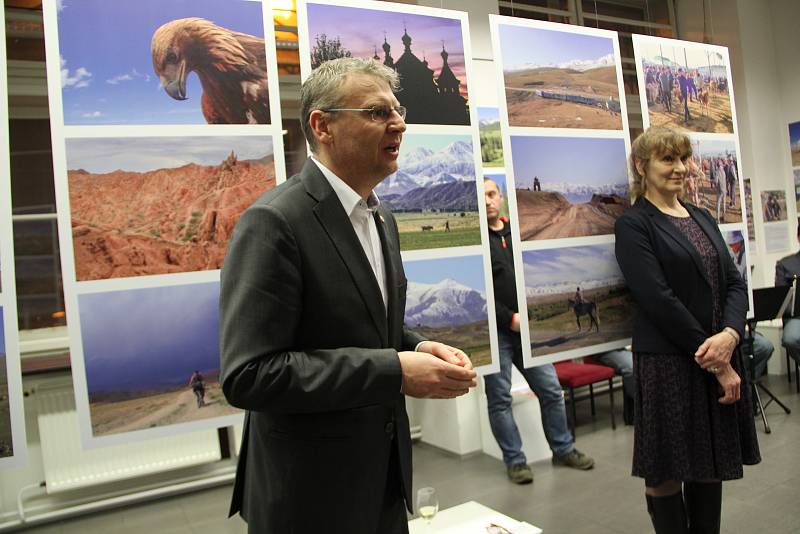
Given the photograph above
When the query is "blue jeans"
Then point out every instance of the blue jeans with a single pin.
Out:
(791, 337)
(544, 382)
(762, 350)
(622, 362)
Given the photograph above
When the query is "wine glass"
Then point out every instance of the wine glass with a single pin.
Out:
(427, 504)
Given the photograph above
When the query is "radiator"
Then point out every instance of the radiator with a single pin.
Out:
(68, 466)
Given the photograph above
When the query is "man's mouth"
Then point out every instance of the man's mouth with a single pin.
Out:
(393, 149)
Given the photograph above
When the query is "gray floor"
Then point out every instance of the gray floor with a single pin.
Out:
(604, 500)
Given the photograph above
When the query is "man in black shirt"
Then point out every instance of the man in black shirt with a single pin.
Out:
(786, 270)
(542, 379)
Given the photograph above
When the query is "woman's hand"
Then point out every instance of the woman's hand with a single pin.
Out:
(730, 384)
(715, 352)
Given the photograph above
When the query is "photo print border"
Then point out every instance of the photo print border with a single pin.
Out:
(452, 250)
(63, 133)
(13, 405)
(641, 41)
(520, 247)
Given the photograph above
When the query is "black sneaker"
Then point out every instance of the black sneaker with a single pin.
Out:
(520, 474)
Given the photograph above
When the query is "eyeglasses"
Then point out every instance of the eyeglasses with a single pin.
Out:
(377, 113)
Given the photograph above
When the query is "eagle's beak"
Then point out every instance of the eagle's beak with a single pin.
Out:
(174, 81)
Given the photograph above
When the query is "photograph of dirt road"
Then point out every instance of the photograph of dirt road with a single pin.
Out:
(569, 186)
(158, 205)
(446, 301)
(576, 298)
(141, 350)
(433, 195)
(794, 143)
(6, 441)
(557, 79)
(717, 188)
(686, 87)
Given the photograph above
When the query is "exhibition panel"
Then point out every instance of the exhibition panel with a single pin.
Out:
(565, 141)
(688, 87)
(794, 150)
(13, 450)
(437, 193)
(153, 167)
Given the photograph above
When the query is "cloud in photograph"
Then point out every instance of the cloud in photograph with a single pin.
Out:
(571, 265)
(527, 48)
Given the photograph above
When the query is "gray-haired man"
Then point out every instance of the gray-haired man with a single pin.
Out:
(311, 326)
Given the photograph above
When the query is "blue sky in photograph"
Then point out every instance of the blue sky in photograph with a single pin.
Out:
(499, 179)
(430, 141)
(141, 154)
(540, 47)
(794, 133)
(713, 147)
(575, 160)
(142, 339)
(570, 265)
(106, 65)
(467, 270)
(488, 114)
(694, 57)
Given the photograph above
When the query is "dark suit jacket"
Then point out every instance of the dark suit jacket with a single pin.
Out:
(786, 269)
(666, 278)
(308, 350)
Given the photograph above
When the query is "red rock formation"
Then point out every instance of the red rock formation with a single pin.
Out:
(163, 221)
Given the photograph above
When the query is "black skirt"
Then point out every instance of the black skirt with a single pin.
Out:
(681, 431)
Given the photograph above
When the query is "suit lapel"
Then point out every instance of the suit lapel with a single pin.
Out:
(331, 215)
(670, 229)
(391, 250)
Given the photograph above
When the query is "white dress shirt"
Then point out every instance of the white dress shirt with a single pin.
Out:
(362, 218)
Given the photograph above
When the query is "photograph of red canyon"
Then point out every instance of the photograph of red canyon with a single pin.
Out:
(159, 205)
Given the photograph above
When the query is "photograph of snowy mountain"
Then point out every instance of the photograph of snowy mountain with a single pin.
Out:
(569, 186)
(446, 301)
(558, 79)
(433, 195)
(576, 298)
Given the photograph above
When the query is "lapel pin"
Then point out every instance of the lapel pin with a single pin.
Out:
(382, 219)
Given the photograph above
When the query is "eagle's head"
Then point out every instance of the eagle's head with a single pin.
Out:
(172, 48)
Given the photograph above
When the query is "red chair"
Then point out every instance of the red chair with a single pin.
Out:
(573, 375)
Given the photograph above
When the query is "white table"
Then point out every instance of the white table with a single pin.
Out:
(469, 518)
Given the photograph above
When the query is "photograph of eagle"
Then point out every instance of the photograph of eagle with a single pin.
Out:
(232, 68)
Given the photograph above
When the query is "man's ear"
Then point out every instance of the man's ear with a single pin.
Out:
(319, 121)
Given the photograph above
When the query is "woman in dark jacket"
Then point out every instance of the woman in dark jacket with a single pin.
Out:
(693, 422)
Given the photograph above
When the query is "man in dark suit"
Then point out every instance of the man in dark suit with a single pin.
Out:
(313, 344)
(786, 270)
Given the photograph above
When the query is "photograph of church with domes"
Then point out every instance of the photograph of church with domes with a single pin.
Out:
(559, 79)
(426, 51)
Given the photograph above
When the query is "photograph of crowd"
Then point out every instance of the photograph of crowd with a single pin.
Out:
(713, 180)
(794, 143)
(773, 205)
(686, 88)
(748, 203)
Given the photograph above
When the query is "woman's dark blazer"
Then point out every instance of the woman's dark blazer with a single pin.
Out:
(665, 275)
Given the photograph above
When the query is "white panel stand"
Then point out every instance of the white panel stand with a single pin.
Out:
(451, 425)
